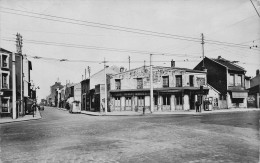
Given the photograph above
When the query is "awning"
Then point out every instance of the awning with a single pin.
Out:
(239, 94)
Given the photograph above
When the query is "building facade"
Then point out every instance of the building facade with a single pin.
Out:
(6, 83)
(92, 89)
(53, 97)
(173, 89)
(228, 79)
(254, 91)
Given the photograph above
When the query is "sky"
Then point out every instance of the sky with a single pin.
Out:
(181, 21)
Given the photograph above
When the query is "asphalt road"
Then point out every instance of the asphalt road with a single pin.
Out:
(63, 137)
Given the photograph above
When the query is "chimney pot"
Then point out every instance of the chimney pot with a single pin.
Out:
(172, 63)
(257, 72)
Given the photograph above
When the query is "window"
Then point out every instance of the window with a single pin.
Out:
(140, 101)
(118, 83)
(5, 105)
(165, 81)
(4, 61)
(178, 99)
(117, 101)
(139, 83)
(128, 101)
(239, 80)
(178, 81)
(5, 80)
(166, 100)
(231, 80)
(155, 100)
(191, 80)
(201, 81)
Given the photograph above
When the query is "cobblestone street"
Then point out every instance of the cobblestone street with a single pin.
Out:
(63, 137)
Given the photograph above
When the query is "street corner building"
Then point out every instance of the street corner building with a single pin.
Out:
(21, 66)
(227, 81)
(173, 89)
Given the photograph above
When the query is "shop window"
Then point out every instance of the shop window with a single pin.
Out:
(139, 83)
(165, 81)
(166, 100)
(178, 99)
(5, 106)
(128, 101)
(117, 101)
(118, 83)
(140, 101)
(178, 80)
(155, 100)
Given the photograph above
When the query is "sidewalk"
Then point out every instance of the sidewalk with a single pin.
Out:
(24, 118)
(179, 112)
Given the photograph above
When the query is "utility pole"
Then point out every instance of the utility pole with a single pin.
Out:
(151, 84)
(19, 45)
(129, 62)
(89, 71)
(85, 74)
(105, 75)
(14, 87)
(202, 43)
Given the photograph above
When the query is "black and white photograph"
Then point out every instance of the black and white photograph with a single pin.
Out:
(129, 81)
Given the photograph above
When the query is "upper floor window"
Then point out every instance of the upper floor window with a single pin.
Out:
(239, 80)
(5, 80)
(4, 61)
(165, 81)
(118, 83)
(231, 80)
(201, 81)
(178, 81)
(139, 83)
(191, 80)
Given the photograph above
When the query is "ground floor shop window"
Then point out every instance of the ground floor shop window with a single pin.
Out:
(128, 101)
(140, 101)
(166, 99)
(5, 106)
(117, 101)
(178, 99)
(155, 100)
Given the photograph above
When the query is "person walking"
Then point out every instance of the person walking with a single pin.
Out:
(197, 106)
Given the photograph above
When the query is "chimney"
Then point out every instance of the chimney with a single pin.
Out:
(122, 69)
(257, 72)
(172, 63)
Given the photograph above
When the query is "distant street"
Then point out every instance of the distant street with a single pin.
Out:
(63, 137)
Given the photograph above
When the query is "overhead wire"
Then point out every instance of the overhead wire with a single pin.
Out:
(125, 29)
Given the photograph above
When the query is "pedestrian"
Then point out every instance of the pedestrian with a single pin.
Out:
(197, 106)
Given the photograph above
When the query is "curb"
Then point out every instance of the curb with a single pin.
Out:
(181, 114)
(22, 120)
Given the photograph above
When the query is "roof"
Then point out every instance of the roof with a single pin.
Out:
(228, 64)
(4, 50)
(162, 67)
